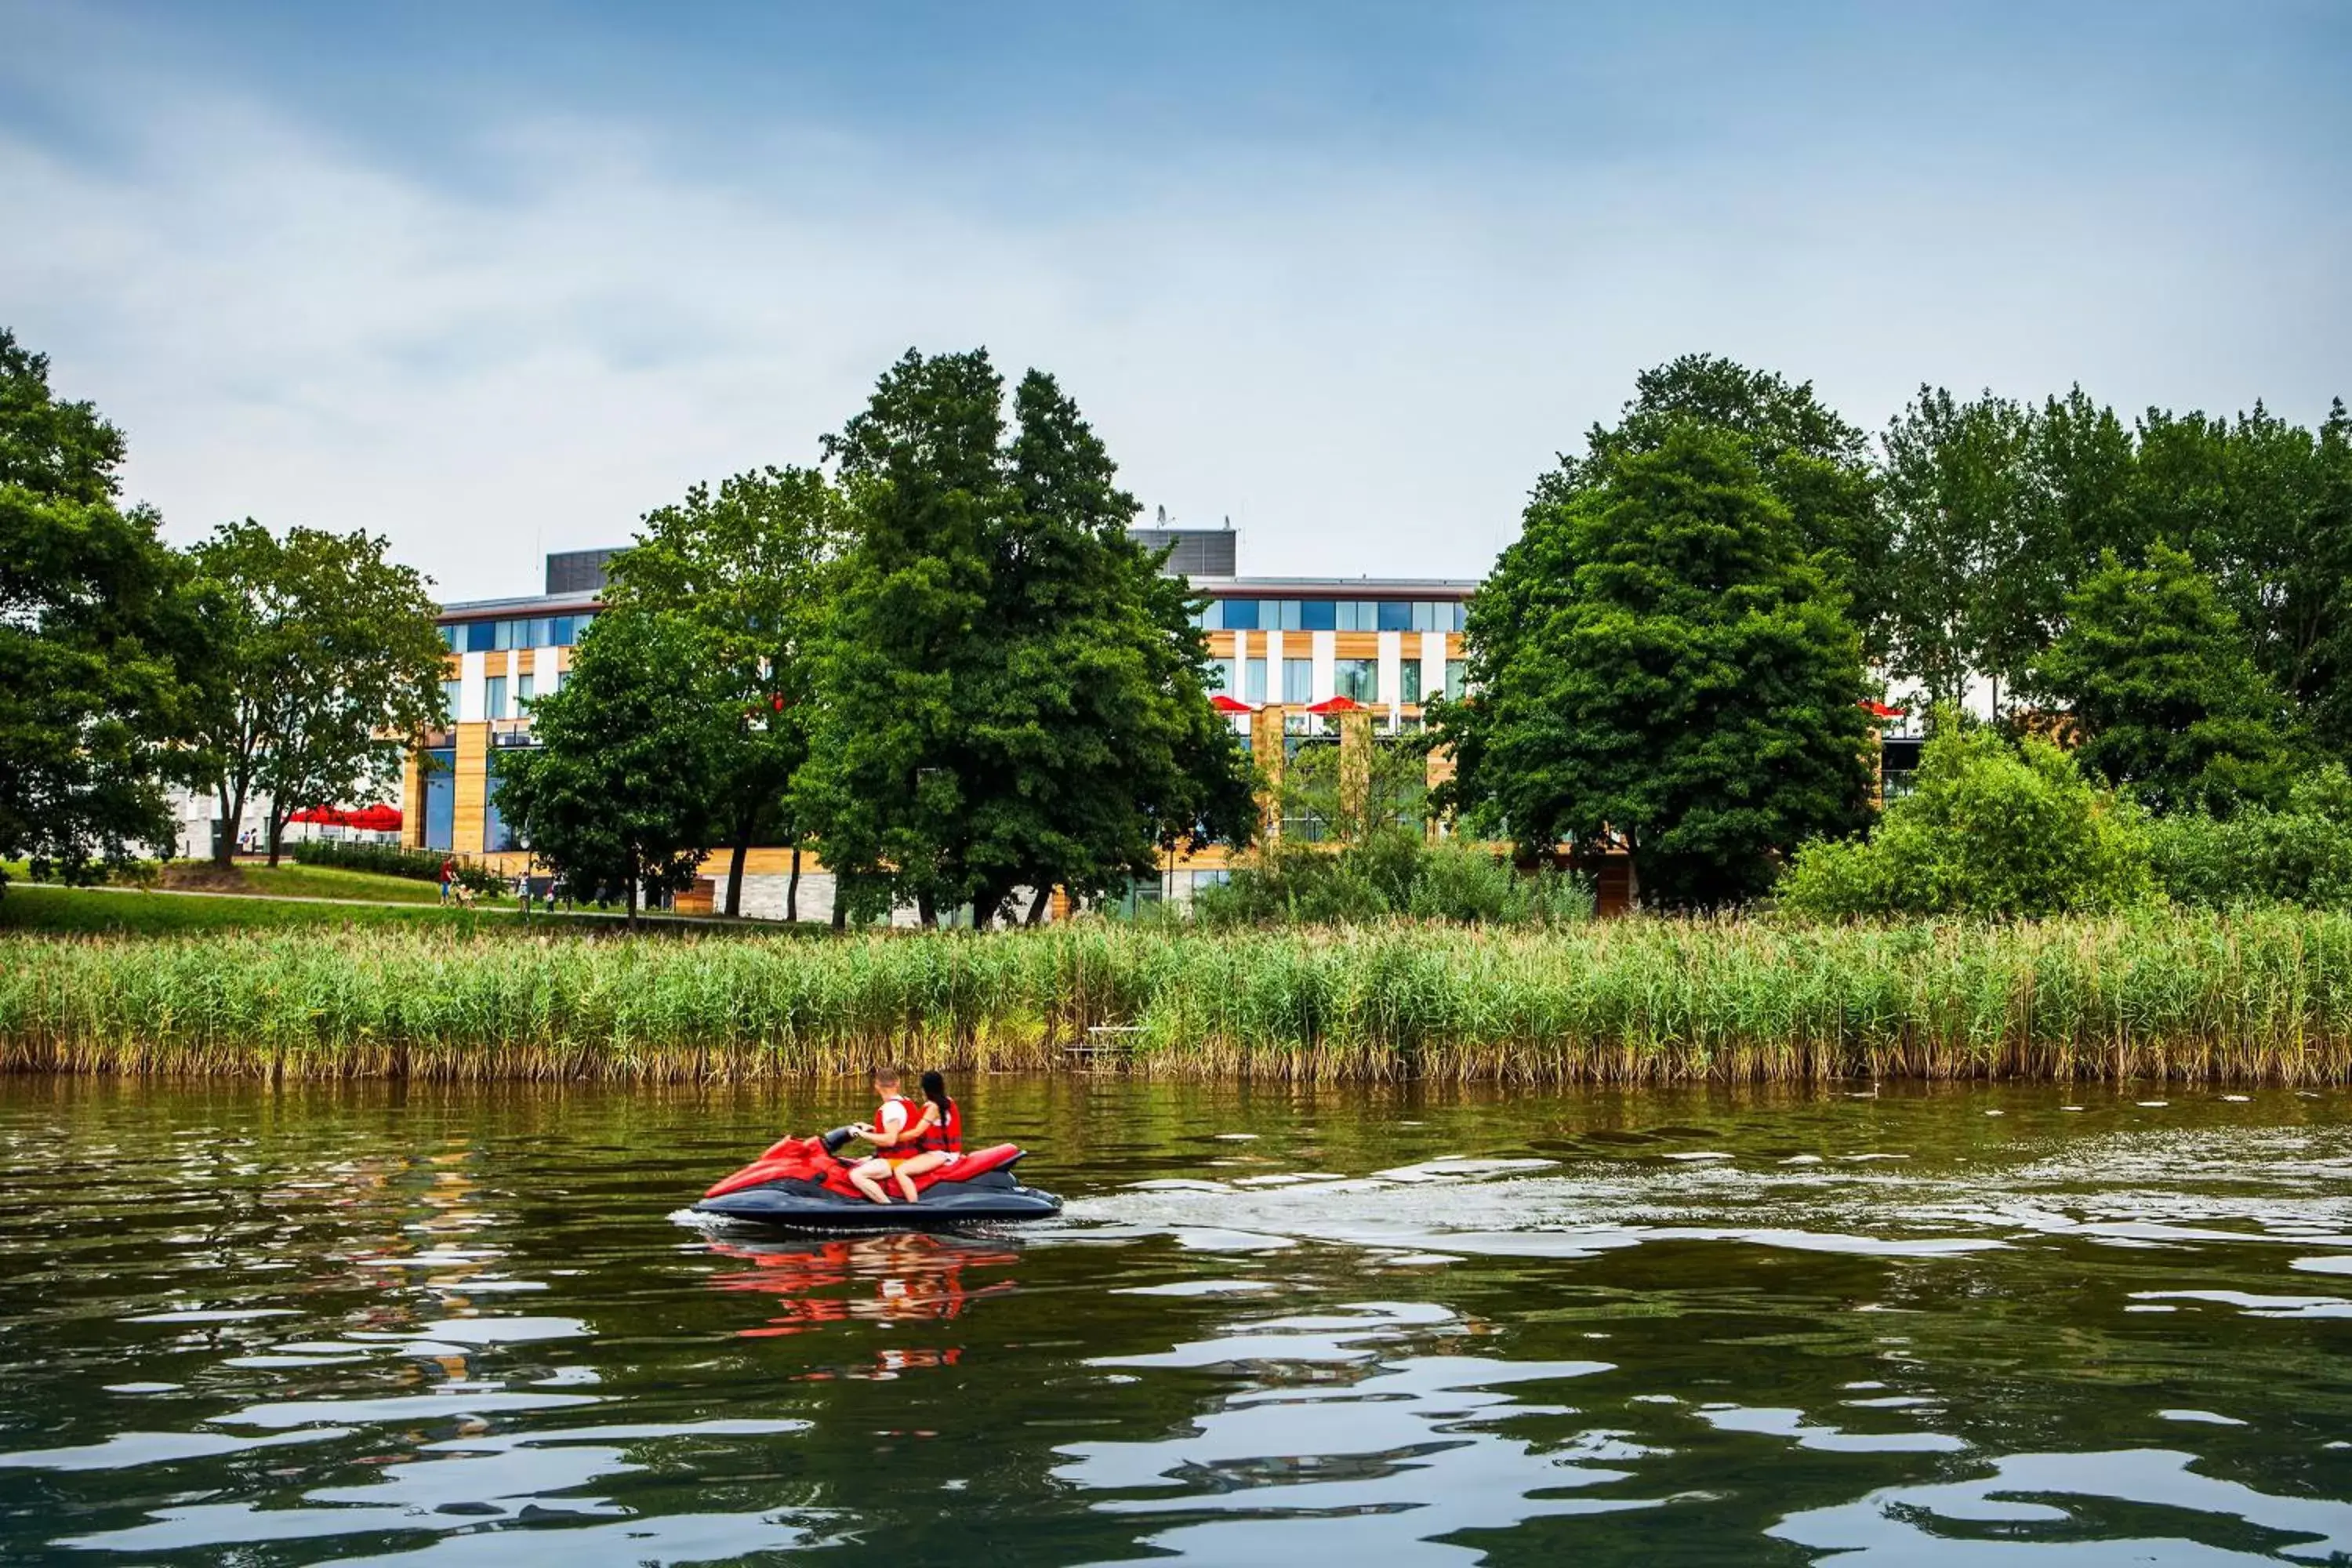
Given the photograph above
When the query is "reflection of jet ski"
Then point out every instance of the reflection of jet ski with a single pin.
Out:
(803, 1181)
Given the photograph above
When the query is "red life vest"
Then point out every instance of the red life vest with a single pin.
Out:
(944, 1136)
(901, 1151)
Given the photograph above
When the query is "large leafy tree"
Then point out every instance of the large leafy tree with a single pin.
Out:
(1011, 696)
(2265, 508)
(2161, 679)
(1955, 486)
(323, 659)
(1810, 458)
(749, 568)
(1658, 661)
(621, 794)
(92, 638)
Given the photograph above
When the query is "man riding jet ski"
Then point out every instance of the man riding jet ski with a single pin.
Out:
(805, 1182)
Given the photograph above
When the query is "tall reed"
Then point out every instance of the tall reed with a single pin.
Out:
(2263, 995)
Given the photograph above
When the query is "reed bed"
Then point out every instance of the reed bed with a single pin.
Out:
(2256, 996)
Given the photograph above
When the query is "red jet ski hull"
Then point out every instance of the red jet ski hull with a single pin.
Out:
(801, 1182)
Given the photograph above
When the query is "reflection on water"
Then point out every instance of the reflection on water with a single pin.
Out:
(1967, 1326)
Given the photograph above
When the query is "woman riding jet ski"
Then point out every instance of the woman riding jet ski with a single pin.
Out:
(805, 1182)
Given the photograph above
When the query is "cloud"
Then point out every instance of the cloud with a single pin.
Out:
(1364, 361)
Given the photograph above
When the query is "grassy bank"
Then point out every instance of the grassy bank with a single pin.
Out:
(27, 910)
(2259, 996)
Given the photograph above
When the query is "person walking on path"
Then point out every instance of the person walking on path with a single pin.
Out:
(448, 875)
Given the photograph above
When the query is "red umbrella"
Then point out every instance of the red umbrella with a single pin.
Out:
(1224, 704)
(378, 818)
(1881, 710)
(1339, 705)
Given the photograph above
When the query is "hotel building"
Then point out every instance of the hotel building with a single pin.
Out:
(1283, 645)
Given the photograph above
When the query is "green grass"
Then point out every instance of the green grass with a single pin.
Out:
(296, 881)
(31, 908)
(2263, 995)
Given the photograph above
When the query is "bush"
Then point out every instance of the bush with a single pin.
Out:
(1991, 829)
(2300, 854)
(1391, 873)
(395, 860)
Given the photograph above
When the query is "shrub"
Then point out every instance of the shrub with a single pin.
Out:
(395, 860)
(1991, 829)
(1388, 874)
(2300, 854)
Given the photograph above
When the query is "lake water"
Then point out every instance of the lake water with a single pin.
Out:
(471, 1326)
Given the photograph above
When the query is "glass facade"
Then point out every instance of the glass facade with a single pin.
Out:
(1297, 680)
(496, 834)
(1454, 669)
(494, 697)
(496, 636)
(1357, 680)
(440, 798)
(1333, 616)
(449, 690)
(524, 688)
(1254, 680)
(1409, 680)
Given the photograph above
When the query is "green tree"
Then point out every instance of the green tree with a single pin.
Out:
(1955, 481)
(1991, 828)
(322, 657)
(93, 640)
(750, 568)
(1011, 695)
(2265, 508)
(2157, 674)
(1816, 463)
(620, 794)
(1657, 661)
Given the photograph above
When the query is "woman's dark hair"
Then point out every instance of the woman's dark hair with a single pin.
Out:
(935, 1090)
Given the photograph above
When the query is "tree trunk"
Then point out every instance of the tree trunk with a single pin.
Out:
(735, 870)
(792, 887)
(277, 831)
(1038, 907)
(232, 805)
(926, 909)
(632, 918)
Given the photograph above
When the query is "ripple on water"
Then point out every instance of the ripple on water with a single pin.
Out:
(1827, 1328)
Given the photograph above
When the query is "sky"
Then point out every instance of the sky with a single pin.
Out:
(493, 280)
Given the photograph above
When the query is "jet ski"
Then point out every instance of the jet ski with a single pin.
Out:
(804, 1182)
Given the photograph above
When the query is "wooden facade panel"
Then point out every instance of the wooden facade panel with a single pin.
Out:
(471, 784)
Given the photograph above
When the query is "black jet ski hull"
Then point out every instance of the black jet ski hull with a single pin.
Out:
(806, 1205)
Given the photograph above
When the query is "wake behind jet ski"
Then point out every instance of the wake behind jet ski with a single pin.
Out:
(804, 1182)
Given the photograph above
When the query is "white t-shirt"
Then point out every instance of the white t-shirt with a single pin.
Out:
(893, 1116)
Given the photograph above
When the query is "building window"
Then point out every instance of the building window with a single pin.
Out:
(1409, 680)
(1224, 675)
(1254, 680)
(1317, 616)
(525, 685)
(1454, 668)
(1239, 614)
(440, 798)
(494, 697)
(496, 835)
(1357, 680)
(479, 634)
(1396, 615)
(1297, 680)
(449, 694)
